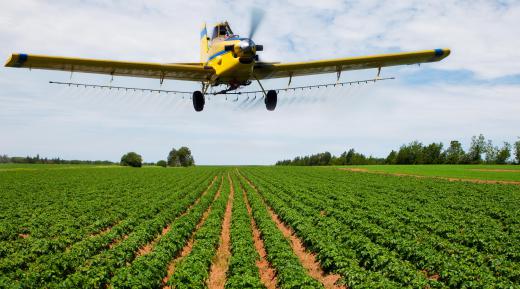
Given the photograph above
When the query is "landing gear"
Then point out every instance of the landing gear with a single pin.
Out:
(270, 100)
(198, 101)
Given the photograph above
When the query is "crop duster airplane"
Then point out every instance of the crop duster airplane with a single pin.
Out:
(225, 59)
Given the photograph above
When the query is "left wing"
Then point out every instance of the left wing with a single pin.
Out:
(188, 71)
(264, 70)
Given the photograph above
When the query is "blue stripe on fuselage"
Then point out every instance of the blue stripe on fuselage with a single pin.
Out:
(233, 38)
(217, 54)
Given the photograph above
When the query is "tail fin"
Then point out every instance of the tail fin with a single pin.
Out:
(204, 44)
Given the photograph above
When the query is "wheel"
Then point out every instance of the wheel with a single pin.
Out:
(198, 101)
(271, 99)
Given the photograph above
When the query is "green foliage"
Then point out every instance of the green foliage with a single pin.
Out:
(325, 159)
(477, 148)
(290, 273)
(4, 159)
(173, 158)
(162, 163)
(181, 157)
(517, 151)
(132, 159)
(393, 232)
(391, 159)
(416, 153)
(243, 272)
(85, 227)
(455, 153)
(90, 221)
(193, 270)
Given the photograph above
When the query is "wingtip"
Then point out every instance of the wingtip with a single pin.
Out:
(16, 60)
(10, 60)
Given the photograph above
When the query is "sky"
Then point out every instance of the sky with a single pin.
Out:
(475, 90)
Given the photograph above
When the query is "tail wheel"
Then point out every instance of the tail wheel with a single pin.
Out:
(198, 101)
(270, 100)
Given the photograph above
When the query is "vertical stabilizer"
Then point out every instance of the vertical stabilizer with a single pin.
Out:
(204, 44)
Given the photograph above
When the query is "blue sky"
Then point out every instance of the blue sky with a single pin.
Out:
(475, 90)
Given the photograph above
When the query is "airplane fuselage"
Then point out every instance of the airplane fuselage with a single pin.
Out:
(230, 67)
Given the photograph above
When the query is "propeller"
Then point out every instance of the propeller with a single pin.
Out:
(257, 15)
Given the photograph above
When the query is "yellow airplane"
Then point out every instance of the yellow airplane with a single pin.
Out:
(226, 59)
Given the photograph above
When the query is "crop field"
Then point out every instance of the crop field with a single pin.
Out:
(477, 172)
(253, 227)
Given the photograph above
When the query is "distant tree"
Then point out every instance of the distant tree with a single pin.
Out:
(5, 159)
(349, 156)
(432, 154)
(173, 158)
(455, 153)
(391, 158)
(162, 163)
(185, 157)
(132, 159)
(517, 151)
(503, 154)
(180, 157)
(491, 152)
(411, 154)
(477, 148)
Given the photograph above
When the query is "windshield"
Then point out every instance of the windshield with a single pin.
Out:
(221, 30)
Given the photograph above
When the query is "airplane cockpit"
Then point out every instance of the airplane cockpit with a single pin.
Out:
(222, 30)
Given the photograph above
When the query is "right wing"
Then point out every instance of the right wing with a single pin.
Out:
(189, 71)
(264, 70)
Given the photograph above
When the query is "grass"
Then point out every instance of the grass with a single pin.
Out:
(482, 172)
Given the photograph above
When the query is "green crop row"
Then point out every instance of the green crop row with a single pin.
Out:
(149, 270)
(54, 267)
(193, 270)
(360, 220)
(290, 272)
(98, 271)
(243, 272)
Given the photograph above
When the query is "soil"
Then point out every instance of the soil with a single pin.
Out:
(267, 273)
(220, 265)
(496, 170)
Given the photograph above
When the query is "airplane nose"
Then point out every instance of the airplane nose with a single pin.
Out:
(247, 45)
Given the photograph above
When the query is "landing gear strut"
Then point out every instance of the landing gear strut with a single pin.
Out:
(198, 101)
(270, 100)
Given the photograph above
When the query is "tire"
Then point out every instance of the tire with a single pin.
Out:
(271, 100)
(198, 101)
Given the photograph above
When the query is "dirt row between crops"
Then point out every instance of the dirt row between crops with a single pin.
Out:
(266, 270)
(220, 265)
(496, 170)
(149, 247)
(189, 245)
(477, 181)
(307, 259)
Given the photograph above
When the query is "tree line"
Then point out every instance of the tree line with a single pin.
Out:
(4, 159)
(481, 151)
(181, 157)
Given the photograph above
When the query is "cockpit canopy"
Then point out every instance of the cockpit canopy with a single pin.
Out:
(222, 30)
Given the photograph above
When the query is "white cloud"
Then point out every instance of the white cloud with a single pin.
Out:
(38, 118)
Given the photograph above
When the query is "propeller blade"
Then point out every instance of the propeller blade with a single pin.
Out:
(257, 15)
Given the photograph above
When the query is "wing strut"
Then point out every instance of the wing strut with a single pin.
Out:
(259, 83)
